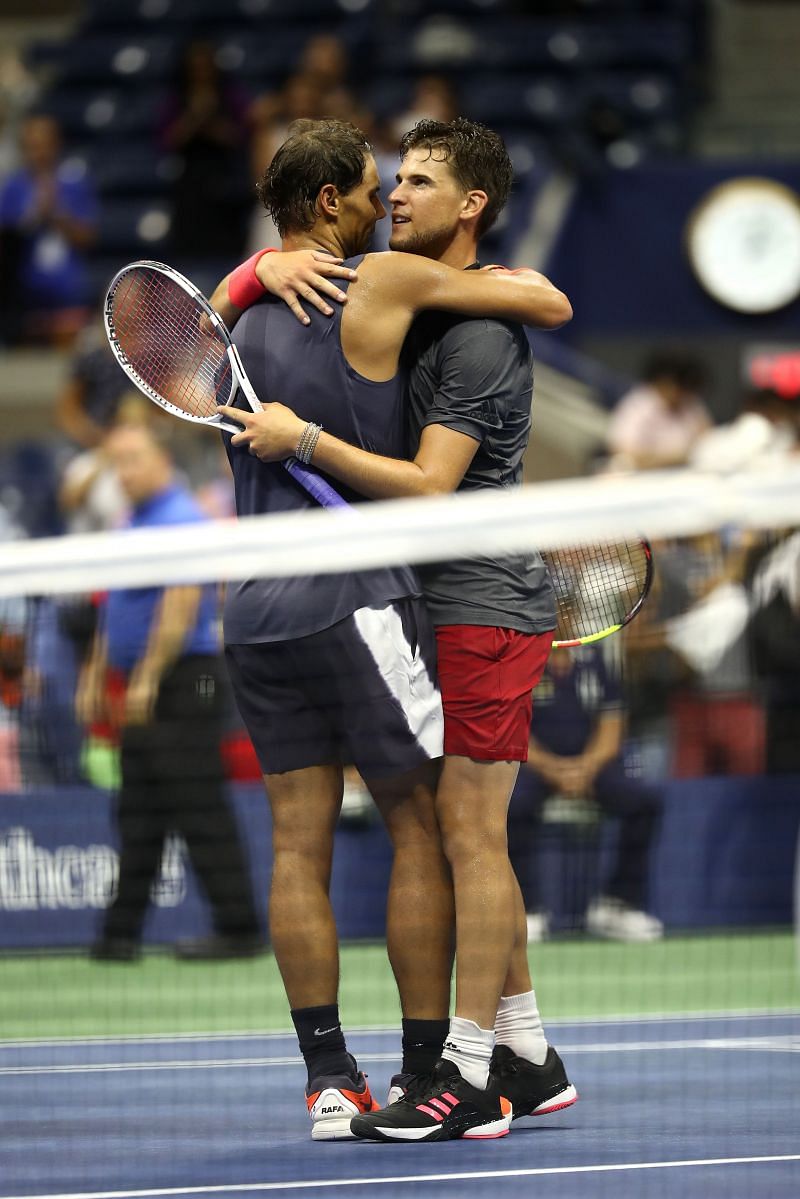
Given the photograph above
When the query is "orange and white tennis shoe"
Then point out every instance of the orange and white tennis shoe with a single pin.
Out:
(332, 1102)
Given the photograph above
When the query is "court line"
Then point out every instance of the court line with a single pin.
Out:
(466, 1176)
(780, 1044)
(387, 1029)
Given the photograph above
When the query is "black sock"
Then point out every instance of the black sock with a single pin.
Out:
(322, 1041)
(423, 1041)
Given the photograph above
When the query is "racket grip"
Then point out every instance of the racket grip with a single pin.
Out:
(315, 485)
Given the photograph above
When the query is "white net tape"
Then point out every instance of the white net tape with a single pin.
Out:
(545, 515)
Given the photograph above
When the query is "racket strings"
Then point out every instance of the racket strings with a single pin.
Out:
(158, 327)
(598, 587)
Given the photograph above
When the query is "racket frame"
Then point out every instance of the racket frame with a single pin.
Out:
(317, 487)
(239, 377)
(591, 638)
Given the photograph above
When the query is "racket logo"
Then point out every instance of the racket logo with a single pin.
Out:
(112, 332)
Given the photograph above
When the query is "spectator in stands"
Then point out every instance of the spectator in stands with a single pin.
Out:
(317, 87)
(271, 116)
(717, 717)
(652, 671)
(18, 92)
(656, 423)
(48, 218)
(206, 126)
(325, 63)
(86, 406)
(433, 98)
(762, 436)
(576, 753)
(774, 638)
(158, 649)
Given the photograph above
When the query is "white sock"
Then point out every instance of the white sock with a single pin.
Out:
(519, 1026)
(470, 1048)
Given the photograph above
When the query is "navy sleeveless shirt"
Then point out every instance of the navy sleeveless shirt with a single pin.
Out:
(305, 367)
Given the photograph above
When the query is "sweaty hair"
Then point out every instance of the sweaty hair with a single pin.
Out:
(477, 156)
(315, 153)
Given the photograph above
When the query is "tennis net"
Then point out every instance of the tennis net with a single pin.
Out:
(659, 899)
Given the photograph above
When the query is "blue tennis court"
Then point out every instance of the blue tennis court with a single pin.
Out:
(677, 1106)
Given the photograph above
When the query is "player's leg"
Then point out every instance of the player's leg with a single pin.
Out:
(486, 677)
(420, 920)
(394, 731)
(304, 805)
(297, 747)
(529, 1071)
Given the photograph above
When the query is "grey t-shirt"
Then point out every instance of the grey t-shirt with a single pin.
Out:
(476, 376)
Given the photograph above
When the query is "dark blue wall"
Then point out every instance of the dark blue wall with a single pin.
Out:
(621, 255)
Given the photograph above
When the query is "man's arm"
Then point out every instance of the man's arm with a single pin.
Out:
(484, 371)
(90, 694)
(441, 462)
(605, 743)
(525, 296)
(174, 619)
(411, 281)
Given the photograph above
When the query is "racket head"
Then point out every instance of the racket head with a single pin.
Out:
(154, 321)
(599, 588)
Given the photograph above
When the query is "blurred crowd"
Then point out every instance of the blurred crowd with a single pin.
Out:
(218, 140)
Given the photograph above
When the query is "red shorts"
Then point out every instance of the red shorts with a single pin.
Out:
(487, 676)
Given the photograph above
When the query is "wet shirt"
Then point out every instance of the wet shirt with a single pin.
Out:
(305, 367)
(476, 377)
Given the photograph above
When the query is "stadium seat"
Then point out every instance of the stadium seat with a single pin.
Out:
(105, 112)
(520, 100)
(135, 227)
(115, 58)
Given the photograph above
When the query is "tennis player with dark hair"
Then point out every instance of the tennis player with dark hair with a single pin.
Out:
(335, 669)
(469, 396)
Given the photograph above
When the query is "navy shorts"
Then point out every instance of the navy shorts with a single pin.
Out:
(363, 692)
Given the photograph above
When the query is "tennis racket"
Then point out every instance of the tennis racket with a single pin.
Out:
(173, 345)
(599, 588)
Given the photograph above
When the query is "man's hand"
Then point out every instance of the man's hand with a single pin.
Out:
(576, 777)
(304, 274)
(292, 276)
(270, 435)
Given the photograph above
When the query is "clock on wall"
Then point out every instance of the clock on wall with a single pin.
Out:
(743, 241)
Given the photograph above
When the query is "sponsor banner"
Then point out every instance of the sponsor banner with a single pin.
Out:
(59, 868)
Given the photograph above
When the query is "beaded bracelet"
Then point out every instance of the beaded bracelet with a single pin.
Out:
(307, 443)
